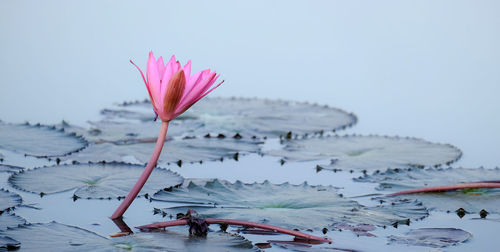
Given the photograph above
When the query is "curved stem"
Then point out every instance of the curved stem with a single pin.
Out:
(237, 223)
(122, 225)
(449, 188)
(145, 174)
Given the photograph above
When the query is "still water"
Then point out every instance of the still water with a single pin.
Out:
(425, 69)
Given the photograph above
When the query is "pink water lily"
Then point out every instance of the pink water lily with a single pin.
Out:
(171, 87)
(172, 90)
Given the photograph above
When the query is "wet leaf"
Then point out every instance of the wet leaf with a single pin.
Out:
(50, 236)
(359, 230)
(368, 152)
(93, 180)
(305, 247)
(107, 131)
(9, 200)
(10, 220)
(290, 206)
(187, 150)
(10, 168)
(9, 243)
(249, 117)
(432, 237)
(39, 140)
(472, 200)
(178, 239)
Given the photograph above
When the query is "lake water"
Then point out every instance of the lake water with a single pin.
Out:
(424, 69)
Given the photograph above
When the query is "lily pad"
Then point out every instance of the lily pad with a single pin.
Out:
(299, 246)
(178, 239)
(432, 237)
(9, 243)
(51, 236)
(39, 140)
(249, 117)
(92, 180)
(9, 200)
(291, 206)
(355, 152)
(472, 200)
(185, 151)
(109, 131)
(10, 220)
(10, 168)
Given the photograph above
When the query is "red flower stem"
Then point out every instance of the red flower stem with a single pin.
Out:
(449, 188)
(145, 174)
(237, 223)
(122, 225)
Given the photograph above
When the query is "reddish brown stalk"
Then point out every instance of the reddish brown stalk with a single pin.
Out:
(145, 174)
(237, 223)
(449, 188)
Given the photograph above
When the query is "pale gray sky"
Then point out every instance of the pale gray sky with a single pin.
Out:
(414, 68)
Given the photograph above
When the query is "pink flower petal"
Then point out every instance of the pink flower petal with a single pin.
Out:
(161, 66)
(153, 78)
(187, 70)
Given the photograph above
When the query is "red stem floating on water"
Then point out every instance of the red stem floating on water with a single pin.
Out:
(145, 174)
(449, 188)
(238, 223)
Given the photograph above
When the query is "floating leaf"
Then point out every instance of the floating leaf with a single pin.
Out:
(432, 237)
(9, 243)
(93, 180)
(178, 239)
(109, 131)
(472, 200)
(9, 200)
(187, 150)
(290, 206)
(10, 220)
(249, 117)
(10, 168)
(39, 140)
(50, 236)
(368, 152)
(54, 236)
(299, 246)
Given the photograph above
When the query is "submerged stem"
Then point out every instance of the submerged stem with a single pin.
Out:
(449, 188)
(145, 174)
(237, 223)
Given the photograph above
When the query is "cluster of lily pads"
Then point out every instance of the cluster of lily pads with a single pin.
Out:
(103, 162)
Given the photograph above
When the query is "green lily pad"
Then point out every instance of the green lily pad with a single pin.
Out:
(9, 200)
(472, 200)
(356, 152)
(299, 246)
(92, 180)
(248, 117)
(10, 220)
(432, 237)
(39, 140)
(56, 236)
(10, 168)
(185, 151)
(109, 131)
(9, 243)
(177, 239)
(292, 206)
